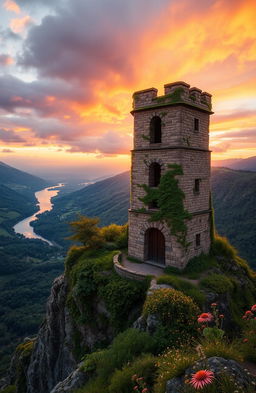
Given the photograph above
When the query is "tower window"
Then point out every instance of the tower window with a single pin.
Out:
(196, 124)
(153, 204)
(154, 174)
(197, 186)
(198, 239)
(155, 130)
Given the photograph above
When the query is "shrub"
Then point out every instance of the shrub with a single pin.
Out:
(218, 283)
(112, 232)
(74, 253)
(144, 366)
(87, 232)
(222, 247)
(120, 296)
(171, 306)
(177, 315)
(172, 270)
(198, 265)
(184, 286)
(125, 348)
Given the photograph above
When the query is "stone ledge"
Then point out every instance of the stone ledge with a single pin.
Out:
(124, 272)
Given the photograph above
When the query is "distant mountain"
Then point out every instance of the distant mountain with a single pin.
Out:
(20, 181)
(234, 197)
(246, 164)
(234, 200)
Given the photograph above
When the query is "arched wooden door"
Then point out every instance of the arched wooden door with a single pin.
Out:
(155, 246)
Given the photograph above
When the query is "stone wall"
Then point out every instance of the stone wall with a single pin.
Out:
(175, 254)
(182, 144)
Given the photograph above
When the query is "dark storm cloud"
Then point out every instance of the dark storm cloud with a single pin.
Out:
(90, 40)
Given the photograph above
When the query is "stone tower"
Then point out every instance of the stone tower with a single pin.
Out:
(170, 129)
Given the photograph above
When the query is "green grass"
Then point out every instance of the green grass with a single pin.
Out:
(217, 283)
(198, 265)
(184, 286)
(103, 364)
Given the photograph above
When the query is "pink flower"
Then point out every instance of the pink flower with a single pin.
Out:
(145, 390)
(221, 316)
(214, 304)
(205, 317)
(245, 340)
(201, 378)
(253, 308)
(248, 314)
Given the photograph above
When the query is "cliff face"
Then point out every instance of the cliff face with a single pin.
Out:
(91, 304)
(52, 356)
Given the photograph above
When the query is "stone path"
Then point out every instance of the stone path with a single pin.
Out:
(142, 268)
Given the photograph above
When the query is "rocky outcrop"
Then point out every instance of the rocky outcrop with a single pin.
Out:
(52, 355)
(219, 366)
(74, 381)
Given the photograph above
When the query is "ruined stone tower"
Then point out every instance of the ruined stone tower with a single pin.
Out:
(170, 129)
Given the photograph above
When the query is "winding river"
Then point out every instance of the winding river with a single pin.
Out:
(44, 202)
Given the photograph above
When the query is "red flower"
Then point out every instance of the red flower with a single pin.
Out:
(221, 316)
(214, 304)
(245, 340)
(205, 317)
(248, 314)
(201, 378)
(253, 308)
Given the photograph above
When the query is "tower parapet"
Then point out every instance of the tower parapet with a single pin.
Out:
(174, 93)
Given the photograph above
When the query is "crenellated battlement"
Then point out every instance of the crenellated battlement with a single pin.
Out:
(174, 93)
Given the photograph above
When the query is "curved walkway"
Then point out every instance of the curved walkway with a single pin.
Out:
(136, 271)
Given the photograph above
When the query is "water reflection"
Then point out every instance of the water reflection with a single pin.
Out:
(44, 202)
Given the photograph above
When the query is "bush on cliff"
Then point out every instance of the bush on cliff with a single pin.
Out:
(176, 313)
(103, 364)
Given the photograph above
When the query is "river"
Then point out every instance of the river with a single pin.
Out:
(44, 202)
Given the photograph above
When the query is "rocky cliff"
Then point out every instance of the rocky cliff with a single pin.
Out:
(91, 304)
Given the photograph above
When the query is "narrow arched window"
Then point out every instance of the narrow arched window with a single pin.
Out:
(155, 130)
(154, 174)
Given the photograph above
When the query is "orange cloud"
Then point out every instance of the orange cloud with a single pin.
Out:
(18, 25)
(11, 6)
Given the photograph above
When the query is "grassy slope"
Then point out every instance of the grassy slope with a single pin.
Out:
(20, 181)
(234, 199)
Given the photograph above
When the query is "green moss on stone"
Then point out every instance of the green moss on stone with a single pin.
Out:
(169, 198)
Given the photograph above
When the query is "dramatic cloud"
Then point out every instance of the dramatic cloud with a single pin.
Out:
(109, 143)
(8, 34)
(80, 62)
(5, 60)
(10, 5)
(18, 25)
(91, 43)
(47, 97)
(9, 136)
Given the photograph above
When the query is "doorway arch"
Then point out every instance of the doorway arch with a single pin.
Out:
(154, 244)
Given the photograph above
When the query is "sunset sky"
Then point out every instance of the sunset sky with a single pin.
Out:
(68, 69)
